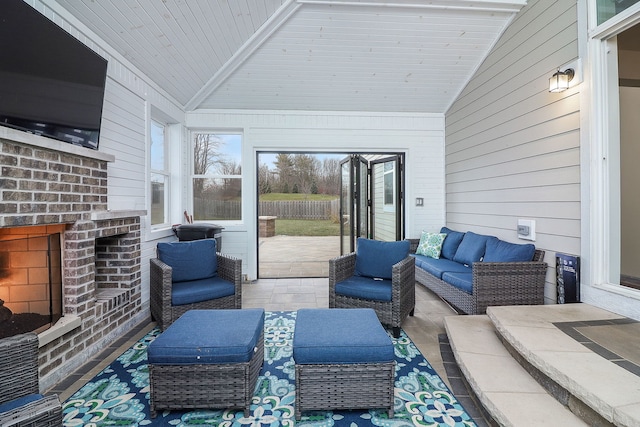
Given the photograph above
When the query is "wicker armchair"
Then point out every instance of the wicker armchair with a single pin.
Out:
(390, 313)
(19, 380)
(164, 312)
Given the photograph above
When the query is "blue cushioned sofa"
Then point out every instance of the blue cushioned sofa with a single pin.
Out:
(475, 271)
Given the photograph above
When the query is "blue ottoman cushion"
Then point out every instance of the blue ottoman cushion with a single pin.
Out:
(335, 335)
(209, 336)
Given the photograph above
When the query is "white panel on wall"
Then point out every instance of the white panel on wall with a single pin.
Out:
(123, 135)
(420, 136)
(513, 148)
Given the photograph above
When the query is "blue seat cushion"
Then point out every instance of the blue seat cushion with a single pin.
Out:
(450, 243)
(365, 288)
(501, 251)
(340, 335)
(200, 290)
(189, 260)
(209, 336)
(19, 402)
(462, 281)
(375, 258)
(471, 248)
(436, 267)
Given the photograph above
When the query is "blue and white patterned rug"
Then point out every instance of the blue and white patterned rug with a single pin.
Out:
(119, 395)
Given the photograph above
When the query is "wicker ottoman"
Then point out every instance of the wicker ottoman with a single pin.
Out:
(207, 359)
(344, 359)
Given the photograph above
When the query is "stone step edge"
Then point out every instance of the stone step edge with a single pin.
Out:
(489, 369)
(589, 403)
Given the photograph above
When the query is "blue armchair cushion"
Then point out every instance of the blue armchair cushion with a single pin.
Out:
(190, 341)
(451, 242)
(192, 260)
(19, 402)
(340, 335)
(365, 288)
(471, 248)
(437, 267)
(462, 281)
(375, 258)
(501, 251)
(200, 290)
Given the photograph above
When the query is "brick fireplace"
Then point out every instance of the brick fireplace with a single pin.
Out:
(49, 187)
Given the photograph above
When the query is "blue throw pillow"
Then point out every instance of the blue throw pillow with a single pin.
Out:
(192, 260)
(430, 244)
(375, 258)
(471, 248)
(451, 242)
(501, 251)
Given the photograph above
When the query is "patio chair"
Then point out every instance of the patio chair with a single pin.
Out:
(21, 403)
(379, 275)
(191, 275)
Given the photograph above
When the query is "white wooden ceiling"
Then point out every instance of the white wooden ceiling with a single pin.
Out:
(321, 55)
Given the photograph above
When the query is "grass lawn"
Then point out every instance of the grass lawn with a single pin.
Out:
(307, 227)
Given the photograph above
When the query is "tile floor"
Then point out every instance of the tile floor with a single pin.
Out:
(285, 294)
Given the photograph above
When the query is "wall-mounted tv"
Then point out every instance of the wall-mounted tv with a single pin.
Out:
(51, 84)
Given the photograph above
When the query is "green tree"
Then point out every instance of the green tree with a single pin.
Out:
(285, 171)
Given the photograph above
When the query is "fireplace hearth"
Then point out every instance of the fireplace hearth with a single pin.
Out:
(52, 188)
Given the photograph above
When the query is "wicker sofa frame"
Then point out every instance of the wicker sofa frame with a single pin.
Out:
(164, 313)
(217, 385)
(344, 386)
(494, 284)
(18, 378)
(403, 291)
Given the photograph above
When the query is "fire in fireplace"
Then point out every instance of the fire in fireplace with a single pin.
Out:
(30, 281)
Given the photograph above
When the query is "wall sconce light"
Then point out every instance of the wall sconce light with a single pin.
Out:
(559, 82)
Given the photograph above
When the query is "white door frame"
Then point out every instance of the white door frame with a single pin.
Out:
(601, 166)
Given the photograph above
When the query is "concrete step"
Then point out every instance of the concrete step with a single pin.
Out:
(588, 378)
(505, 389)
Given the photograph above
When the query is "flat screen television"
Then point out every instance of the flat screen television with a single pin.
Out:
(51, 84)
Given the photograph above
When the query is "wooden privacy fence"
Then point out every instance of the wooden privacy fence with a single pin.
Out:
(301, 209)
(293, 209)
(217, 209)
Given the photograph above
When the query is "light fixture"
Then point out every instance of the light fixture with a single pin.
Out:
(559, 82)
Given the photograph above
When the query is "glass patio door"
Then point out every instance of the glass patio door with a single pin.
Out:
(371, 199)
(354, 200)
(387, 189)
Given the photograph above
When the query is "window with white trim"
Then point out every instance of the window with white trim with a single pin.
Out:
(159, 177)
(607, 9)
(217, 176)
